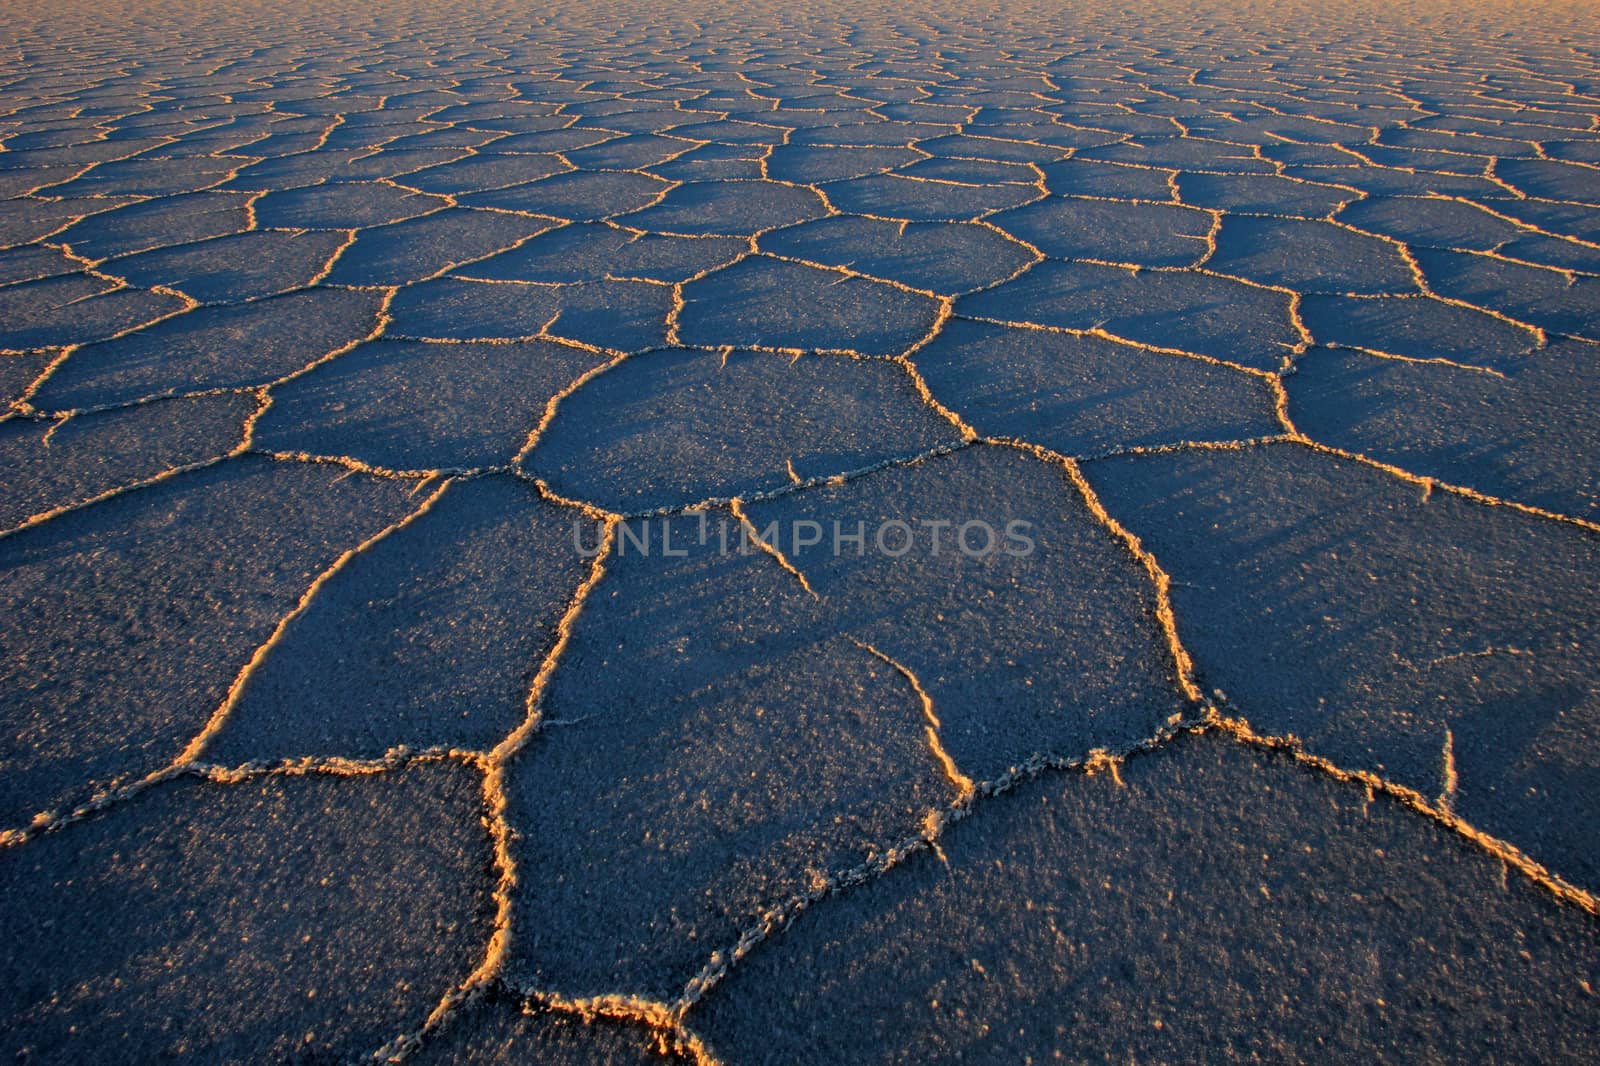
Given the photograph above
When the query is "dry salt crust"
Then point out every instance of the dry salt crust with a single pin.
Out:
(324, 327)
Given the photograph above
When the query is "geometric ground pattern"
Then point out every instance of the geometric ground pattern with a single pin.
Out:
(353, 358)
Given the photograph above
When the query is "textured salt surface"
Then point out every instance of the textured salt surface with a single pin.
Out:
(394, 398)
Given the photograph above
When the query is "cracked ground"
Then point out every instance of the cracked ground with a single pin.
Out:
(353, 358)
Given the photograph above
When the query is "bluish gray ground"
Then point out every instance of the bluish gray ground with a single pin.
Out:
(391, 397)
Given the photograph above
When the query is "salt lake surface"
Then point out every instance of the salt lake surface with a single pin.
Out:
(1172, 441)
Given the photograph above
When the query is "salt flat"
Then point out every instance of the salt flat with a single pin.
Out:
(591, 533)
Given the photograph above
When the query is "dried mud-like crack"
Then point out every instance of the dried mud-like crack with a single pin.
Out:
(685, 166)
